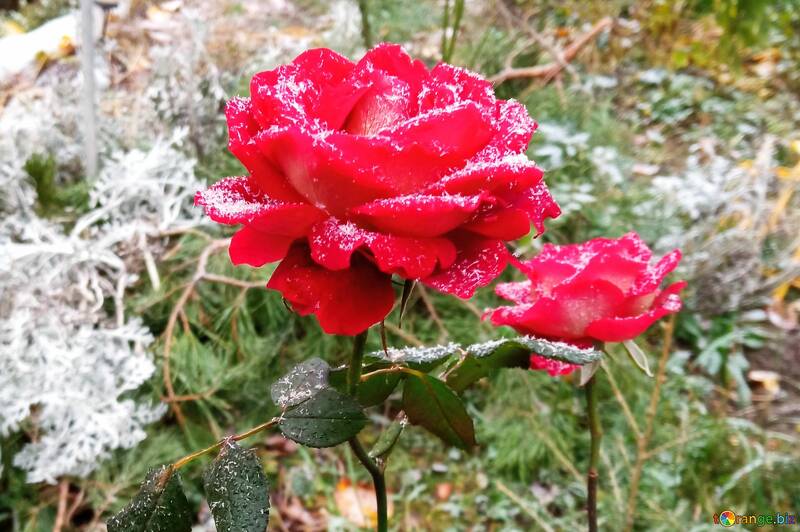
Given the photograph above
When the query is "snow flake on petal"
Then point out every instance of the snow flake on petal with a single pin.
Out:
(551, 366)
(478, 263)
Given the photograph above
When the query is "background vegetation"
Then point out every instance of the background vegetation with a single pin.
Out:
(680, 120)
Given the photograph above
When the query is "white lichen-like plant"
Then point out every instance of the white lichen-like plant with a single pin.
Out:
(71, 361)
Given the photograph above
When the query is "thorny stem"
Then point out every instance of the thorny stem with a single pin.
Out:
(356, 360)
(246, 434)
(378, 481)
(594, 456)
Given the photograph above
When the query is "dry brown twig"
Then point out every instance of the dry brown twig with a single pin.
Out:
(426, 300)
(550, 70)
(61, 514)
(200, 274)
(510, 20)
(643, 438)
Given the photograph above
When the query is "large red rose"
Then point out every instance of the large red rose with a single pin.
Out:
(361, 171)
(603, 290)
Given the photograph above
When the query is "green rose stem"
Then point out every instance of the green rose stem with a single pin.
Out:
(353, 378)
(595, 435)
(246, 434)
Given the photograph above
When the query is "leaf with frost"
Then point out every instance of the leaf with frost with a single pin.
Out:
(160, 506)
(477, 360)
(237, 491)
(301, 383)
(327, 419)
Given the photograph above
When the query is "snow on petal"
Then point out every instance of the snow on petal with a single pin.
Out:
(478, 262)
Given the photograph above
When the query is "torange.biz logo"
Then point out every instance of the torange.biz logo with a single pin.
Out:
(729, 518)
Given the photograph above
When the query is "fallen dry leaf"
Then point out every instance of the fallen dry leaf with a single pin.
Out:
(357, 503)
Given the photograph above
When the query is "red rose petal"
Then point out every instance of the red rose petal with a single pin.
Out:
(619, 329)
(513, 129)
(553, 367)
(616, 269)
(234, 201)
(545, 275)
(519, 292)
(502, 223)
(418, 215)
(337, 171)
(479, 261)
(333, 243)
(653, 275)
(345, 302)
(412, 258)
(511, 173)
(324, 174)
(452, 134)
(242, 127)
(538, 204)
(448, 85)
(393, 60)
(252, 247)
(381, 107)
(290, 94)
(323, 66)
(571, 309)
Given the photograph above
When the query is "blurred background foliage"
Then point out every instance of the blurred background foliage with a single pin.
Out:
(680, 120)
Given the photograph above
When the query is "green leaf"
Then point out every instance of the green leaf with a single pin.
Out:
(372, 391)
(588, 371)
(327, 419)
(160, 506)
(389, 437)
(556, 350)
(427, 358)
(428, 402)
(237, 490)
(418, 357)
(476, 366)
(376, 389)
(638, 356)
(408, 287)
(301, 383)
(479, 360)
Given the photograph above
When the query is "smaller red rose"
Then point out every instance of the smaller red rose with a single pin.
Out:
(603, 290)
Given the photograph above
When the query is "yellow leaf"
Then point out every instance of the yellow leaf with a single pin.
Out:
(12, 28)
(356, 503)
